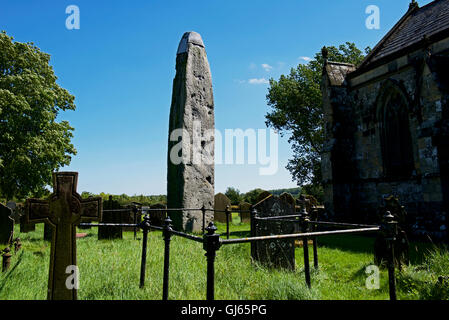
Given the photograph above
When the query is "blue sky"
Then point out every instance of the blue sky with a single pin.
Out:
(120, 66)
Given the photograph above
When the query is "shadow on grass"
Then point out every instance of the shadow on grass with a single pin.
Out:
(365, 244)
(3, 282)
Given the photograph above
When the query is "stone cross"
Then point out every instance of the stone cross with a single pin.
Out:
(63, 211)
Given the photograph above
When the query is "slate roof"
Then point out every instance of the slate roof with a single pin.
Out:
(337, 72)
(418, 22)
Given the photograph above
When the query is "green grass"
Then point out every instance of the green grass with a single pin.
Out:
(111, 269)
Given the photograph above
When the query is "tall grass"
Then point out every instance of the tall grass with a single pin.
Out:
(110, 270)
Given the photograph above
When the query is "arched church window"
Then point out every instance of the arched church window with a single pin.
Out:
(397, 151)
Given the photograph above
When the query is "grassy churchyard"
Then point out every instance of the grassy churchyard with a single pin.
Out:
(110, 269)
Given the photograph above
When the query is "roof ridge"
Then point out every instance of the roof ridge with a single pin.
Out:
(390, 33)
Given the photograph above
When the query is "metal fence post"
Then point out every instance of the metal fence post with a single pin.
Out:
(6, 259)
(227, 221)
(167, 237)
(145, 225)
(253, 232)
(203, 210)
(391, 230)
(134, 209)
(315, 246)
(211, 243)
(305, 245)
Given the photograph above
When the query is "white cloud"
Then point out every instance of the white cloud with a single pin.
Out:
(306, 59)
(258, 81)
(266, 67)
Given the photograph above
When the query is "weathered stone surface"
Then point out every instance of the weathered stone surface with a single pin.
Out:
(111, 232)
(6, 225)
(190, 182)
(245, 212)
(63, 211)
(221, 201)
(273, 253)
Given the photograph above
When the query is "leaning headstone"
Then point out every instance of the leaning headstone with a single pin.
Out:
(6, 225)
(64, 210)
(245, 212)
(111, 214)
(190, 174)
(221, 201)
(273, 253)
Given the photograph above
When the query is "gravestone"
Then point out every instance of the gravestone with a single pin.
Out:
(245, 212)
(131, 217)
(26, 226)
(190, 174)
(15, 211)
(111, 232)
(263, 195)
(401, 244)
(6, 225)
(287, 197)
(273, 253)
(63, 210)
(158, 216)
(221, 201)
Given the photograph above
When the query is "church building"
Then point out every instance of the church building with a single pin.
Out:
(387, 125)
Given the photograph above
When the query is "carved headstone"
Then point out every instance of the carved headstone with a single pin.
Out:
(245, 212)
(63, 210)
(221, 201)
(190, 176)
(6, 225)
(273, 253)
(112, 216)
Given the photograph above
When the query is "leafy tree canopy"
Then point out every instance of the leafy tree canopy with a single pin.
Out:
(296, 110)
(32, 143)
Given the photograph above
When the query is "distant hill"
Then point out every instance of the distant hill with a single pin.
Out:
(295, 192)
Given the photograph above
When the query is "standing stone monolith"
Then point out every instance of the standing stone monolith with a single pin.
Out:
(190, 174)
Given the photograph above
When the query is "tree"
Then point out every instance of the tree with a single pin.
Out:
(296, 109)
(32, 143)
(234, 195)
(251, 196)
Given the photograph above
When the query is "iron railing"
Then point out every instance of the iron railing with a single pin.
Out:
(212, 242)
